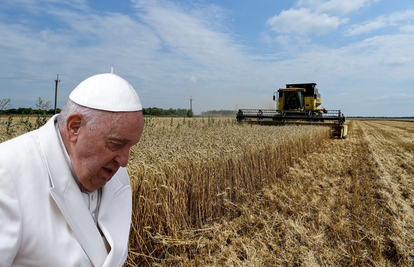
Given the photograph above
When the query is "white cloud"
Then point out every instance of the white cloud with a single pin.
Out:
(188, 35)
(397, 61)
(193, 79)
(382, 22)
(391, 97)
(41, 6)
(341, 7)
(367, 27)
(304, 21)
(317, 16)
(337, 7)
(407, 28)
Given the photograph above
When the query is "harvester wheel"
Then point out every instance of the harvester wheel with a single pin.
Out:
(344, 132)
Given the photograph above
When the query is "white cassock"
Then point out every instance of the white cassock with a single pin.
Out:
(44, 220)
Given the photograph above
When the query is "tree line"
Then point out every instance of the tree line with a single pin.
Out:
(28, 111)
(186, 112)
(6, 108)
(159, 112)
(219, 113)
(42, 107)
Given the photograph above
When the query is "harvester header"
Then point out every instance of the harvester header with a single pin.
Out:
(297, 104)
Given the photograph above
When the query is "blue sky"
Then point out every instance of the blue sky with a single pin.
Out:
(224, 54)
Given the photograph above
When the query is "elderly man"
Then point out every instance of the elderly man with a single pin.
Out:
(65, 198)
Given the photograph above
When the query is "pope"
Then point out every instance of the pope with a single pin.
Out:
(65, 197)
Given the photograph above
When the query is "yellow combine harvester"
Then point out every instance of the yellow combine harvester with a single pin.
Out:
(297, 104)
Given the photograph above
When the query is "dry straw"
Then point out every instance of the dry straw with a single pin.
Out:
(189, 173)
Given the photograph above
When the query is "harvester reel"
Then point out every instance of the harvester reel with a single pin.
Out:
(260, 116)
(283, 115)
(309, 114)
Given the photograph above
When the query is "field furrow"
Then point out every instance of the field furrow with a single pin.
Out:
(394, 167)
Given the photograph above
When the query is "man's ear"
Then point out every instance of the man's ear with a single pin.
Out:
(73, 126)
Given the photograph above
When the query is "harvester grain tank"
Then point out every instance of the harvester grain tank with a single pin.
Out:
(297, 104)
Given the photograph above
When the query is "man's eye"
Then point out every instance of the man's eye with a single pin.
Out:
(114, 146)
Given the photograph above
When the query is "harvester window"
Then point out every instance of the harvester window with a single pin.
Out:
(292, 100)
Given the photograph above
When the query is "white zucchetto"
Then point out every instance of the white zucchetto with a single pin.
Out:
(107, 92)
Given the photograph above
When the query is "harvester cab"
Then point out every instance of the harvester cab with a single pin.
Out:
(299, 98)
(297, 104)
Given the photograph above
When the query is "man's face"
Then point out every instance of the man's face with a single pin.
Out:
(97, 154)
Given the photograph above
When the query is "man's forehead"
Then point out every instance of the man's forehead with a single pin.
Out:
(125, 135)
(119, 119)
(122, 126)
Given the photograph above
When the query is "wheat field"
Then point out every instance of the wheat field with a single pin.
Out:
(187, 174)
(211, 192)
(231, 195)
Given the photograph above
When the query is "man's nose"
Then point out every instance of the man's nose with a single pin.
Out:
(122, 158)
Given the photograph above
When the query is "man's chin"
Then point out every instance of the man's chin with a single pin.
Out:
(96, 184)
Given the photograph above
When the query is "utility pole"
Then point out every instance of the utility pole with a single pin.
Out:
(191, 103)
(56, 86)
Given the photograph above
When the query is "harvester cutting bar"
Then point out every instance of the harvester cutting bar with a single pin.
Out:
(277, 115)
